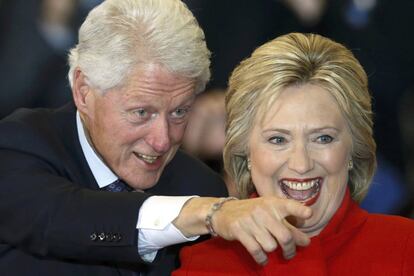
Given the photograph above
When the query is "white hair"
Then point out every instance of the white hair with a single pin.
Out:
(118, 35)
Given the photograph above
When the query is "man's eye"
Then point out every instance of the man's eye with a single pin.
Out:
(324, 139)
(141, 113)
(180, 112)
(278, 140)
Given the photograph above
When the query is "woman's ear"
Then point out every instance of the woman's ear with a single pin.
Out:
(249, 164)
(80, 90)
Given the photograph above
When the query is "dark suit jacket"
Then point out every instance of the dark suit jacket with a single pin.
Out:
(50, 204)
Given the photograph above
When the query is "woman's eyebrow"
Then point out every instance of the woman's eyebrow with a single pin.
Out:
(282, 130)
(311, 130)
(319, 129)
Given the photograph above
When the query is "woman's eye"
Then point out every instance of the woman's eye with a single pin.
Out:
(324, 139)
(277, 140)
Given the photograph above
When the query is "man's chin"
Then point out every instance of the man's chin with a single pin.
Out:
(145, 182)
(147, 174)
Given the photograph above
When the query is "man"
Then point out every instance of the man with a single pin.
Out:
(134, 75)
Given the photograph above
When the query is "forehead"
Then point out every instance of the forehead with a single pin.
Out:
(152, 85)
(303, 103)
(156, 77)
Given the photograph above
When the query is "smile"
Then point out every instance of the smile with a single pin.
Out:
(147, 158)
(306, 191)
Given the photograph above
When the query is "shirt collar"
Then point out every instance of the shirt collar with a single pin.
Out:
(102, 173)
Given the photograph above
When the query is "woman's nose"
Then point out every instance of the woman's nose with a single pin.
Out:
(300, 160)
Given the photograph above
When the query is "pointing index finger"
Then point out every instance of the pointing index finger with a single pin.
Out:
(294, 208)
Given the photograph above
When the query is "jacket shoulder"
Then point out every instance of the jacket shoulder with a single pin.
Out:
(391, 224)
(33, 127)
(44, 138)
(394, 238)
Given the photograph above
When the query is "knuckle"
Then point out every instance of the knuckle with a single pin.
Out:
(285, 239)
(230, 230)
(258, 211)
(291, 204)
(270, 246)
(266, 207)
(234, 228)
(239, 228)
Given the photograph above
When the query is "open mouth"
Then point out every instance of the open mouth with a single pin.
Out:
(150, 159)
(306, 191)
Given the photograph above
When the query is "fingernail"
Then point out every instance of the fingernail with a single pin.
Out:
(289, 256)
(264, 262)
(262, 259)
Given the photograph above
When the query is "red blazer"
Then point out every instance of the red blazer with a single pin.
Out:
(353, 243)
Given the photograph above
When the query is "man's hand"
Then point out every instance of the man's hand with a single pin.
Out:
(259, 224)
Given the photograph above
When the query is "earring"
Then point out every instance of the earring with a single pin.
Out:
(249, 165)
(350, 165)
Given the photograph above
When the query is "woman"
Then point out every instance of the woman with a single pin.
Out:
(300, 127)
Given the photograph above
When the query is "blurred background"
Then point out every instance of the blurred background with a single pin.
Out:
(35, 36)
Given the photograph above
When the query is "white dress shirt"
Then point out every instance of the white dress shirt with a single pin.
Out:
(154, 222)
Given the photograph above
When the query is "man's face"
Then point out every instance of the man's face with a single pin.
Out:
(137, 128)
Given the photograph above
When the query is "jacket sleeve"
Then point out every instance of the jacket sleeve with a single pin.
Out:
(47, 213)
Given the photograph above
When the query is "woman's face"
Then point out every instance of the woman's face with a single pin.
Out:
(301, 150)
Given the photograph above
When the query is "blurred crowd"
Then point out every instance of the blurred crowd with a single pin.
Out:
(36, 35)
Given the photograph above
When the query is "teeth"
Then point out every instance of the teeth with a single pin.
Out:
(300, 186)
(147, 158)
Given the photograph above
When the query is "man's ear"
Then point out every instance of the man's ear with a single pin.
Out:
(81, 90)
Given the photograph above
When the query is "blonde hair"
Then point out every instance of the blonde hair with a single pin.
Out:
(296, 59)
(120, 34)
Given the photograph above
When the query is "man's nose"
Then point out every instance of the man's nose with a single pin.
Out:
(158, 137)
(300, 161)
